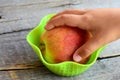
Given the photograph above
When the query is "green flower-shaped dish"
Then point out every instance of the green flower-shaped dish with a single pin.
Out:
(67, 68)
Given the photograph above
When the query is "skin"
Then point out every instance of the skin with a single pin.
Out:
(102, 24)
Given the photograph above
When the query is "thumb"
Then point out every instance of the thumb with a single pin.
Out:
(88, 48)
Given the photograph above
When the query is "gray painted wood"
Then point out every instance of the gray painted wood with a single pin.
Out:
(15, 53)
(112, 49)
(4, 75)
(6, 3)
(27, 14)
(15, 50)
(23, 15)
(97, 4)
(18, 17)
(101, 70)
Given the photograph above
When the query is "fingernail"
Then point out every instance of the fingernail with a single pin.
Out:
(48, 27)
(77, 58)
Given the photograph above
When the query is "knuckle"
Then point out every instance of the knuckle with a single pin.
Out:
(86, 52)
(63, 16)
(68, 10)
(87, 18)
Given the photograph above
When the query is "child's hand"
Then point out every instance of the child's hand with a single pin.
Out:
(103, 24)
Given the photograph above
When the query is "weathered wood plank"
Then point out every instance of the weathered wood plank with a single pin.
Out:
(13, 75)
(97, 4)
(15, 50)
(16, 20)
(16, 12)
(101, 70)
(29, 8)
(27, 17)
(10, 3)
(112, 49)
(9, 56)
(21, 66)
(4, 75)
(17, 17)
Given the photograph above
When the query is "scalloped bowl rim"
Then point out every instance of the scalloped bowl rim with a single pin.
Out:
(44, 20)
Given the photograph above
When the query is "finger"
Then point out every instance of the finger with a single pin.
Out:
(72, 11)
(69, 20)
(88, 48)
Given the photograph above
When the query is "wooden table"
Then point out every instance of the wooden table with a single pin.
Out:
(19, 62)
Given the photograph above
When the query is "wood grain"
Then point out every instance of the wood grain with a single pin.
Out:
(107, 69)
(13, 75)
(20, 18)
(4, 75)
(83, 4)
(20, 67)
(23, 63)
(27, 14)
(19, 62)
(112, 49)
(15, 50)
(11, 3)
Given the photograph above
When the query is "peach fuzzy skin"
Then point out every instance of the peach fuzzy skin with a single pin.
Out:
(61, 42)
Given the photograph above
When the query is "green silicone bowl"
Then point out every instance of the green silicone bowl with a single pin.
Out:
(67, 68)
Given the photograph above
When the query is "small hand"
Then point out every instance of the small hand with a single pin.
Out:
(103, 25)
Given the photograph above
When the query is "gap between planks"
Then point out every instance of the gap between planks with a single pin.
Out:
(0, 17)
(109, 56)
(33, 66)
(28, 29)
(19, 67)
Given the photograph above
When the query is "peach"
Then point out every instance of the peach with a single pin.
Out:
(61, 42)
